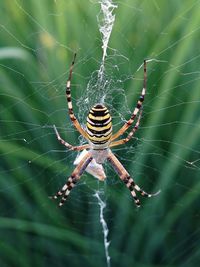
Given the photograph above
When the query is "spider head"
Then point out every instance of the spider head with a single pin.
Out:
(99, 125)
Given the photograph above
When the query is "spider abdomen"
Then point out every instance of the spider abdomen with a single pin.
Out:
(99, 125)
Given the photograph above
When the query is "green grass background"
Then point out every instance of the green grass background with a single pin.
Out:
(37, 42)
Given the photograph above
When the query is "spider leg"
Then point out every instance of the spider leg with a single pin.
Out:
(130, 135)
(125, 177)
(137, 108)
(63, 142)
(69, 102)
(73, 179)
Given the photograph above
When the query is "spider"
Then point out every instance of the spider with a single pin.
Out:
(100, 139)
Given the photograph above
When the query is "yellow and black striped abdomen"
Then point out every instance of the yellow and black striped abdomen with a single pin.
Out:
(99, 125)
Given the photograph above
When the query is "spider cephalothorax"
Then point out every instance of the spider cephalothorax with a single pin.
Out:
(100, 139)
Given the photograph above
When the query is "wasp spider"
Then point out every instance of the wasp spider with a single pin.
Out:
(100, 139)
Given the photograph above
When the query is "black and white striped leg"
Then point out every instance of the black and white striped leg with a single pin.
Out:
(133, 186)
(65, 191)
(63, 142)
(73, 179)
(136, 109)
(130, 135)
(125, 177)
(69, 103)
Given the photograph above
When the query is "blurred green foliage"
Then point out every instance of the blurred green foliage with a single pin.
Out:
(37, 41)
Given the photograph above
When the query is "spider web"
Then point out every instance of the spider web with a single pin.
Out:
(164, 154)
